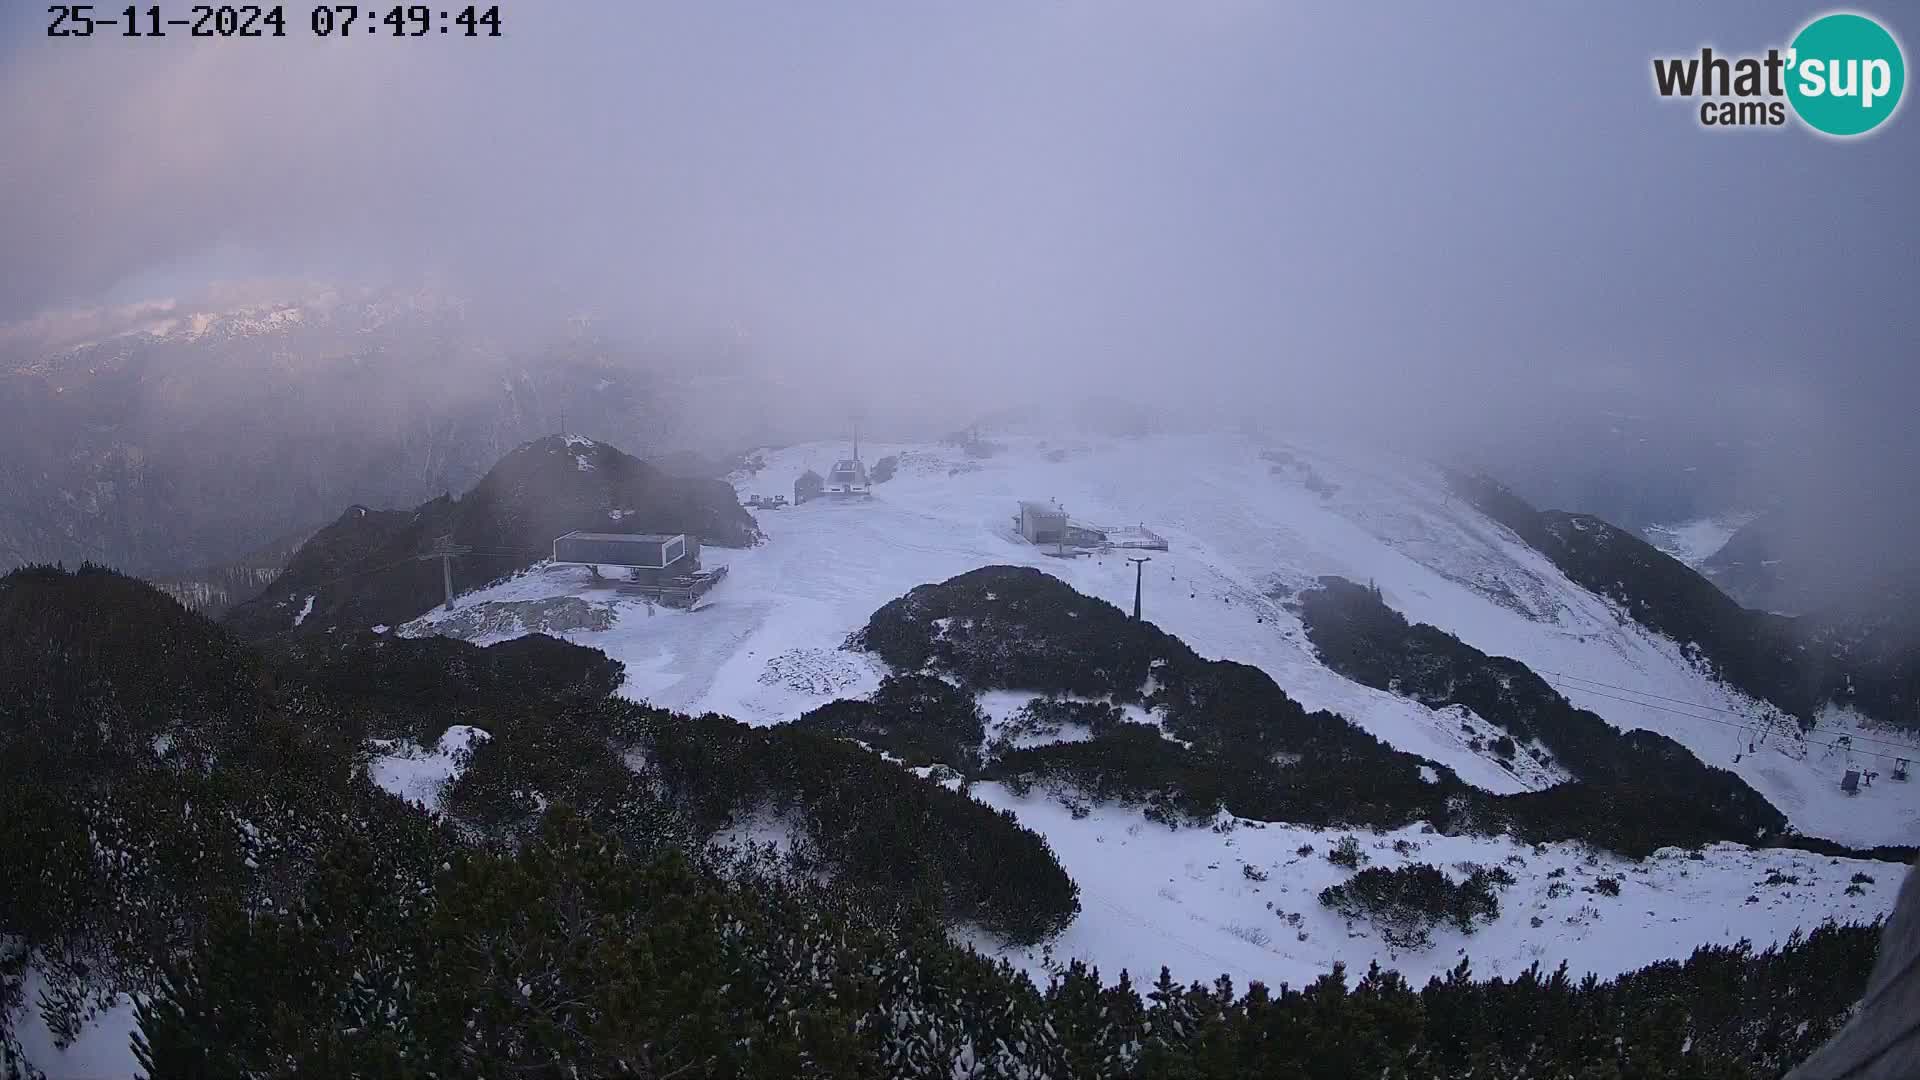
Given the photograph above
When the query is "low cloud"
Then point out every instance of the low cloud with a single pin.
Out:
(1410, 223)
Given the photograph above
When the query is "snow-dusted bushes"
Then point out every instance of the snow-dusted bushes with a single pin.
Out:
(279, 916)
(416, 688)
(155, 772)
(918, 718)
(1132, 764)
(1005, 627)
(153, 769)
(1018, 628)
(1346, 852)
(1250, 749)
(1050, 715)
(573, 956)
(898, 847)
(1406, 903)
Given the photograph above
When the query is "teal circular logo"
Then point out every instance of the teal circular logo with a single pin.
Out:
(1845, 74)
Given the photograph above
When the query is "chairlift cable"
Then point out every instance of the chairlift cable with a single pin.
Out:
(1766, 728)
(1831, 745)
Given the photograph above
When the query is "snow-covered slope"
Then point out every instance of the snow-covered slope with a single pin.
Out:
(1248, 527)
(1246, 531)
(1192, 899)
(1694, 542)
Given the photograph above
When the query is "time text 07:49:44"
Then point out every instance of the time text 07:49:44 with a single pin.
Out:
(260, 21)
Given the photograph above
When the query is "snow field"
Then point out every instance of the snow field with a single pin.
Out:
(1247, 532)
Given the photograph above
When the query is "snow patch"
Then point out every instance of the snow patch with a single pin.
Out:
(104, 1046)
(1151, 895)
(758, 831)
(489, 621)
(816, 672)
(1694, 542)
(419, 775)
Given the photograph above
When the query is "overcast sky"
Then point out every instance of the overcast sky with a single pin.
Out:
(1412, 204)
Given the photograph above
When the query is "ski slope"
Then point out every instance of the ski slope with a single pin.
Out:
(1246, 531)
(1150, 896)
(1248, 526)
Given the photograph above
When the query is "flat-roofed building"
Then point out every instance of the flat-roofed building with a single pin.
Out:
(1041, 523)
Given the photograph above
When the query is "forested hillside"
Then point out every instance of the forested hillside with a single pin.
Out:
(1228, 738)
(190, 822)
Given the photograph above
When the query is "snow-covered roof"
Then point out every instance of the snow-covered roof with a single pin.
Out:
(847, 470)
(638, 538)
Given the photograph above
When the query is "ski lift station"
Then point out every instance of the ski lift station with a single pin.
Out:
(848, 477)
(660, 566)
(640, 551)
(1041, 523)
(1048, 523)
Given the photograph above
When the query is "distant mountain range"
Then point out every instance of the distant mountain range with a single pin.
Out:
(199, 446)
(179, 441)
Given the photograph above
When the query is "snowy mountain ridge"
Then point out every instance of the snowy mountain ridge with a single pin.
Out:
(1249, 526)
(1694, 542)
(56, 340)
